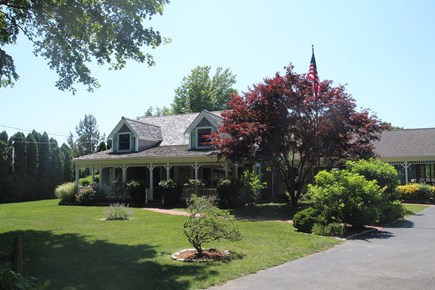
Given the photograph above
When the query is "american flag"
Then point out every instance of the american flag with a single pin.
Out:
(314, 77)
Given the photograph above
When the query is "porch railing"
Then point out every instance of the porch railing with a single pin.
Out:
(202, 191)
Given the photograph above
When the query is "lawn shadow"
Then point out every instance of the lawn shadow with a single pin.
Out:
(374, 234)
(74, 261)
(402, 224)
(283, 213)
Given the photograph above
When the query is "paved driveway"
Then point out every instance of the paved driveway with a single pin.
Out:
(401, 256)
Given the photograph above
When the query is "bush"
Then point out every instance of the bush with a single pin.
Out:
(85, 195)
(384, 173)
(171, 191)
(390, 212)
(136, 190)
(66, 192)
(11, 280)
(344, 197)
(332, 229)
(207, 223)
(304, 220)
(117, 211)
(416, 192)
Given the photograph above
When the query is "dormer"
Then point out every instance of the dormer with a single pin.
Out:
(204, 124)
(132, 136)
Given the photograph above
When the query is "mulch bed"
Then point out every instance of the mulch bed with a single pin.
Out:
(191, 255)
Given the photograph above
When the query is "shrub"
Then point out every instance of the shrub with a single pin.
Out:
(11, 280)
(66, 192)
(332, 229)
(304, 220)
(170, 190)
(390, 212)
(117, 211)
(384, 173)
(85, 195)
(136, 190)
(207, 223)
(416, 192)
(344, 197)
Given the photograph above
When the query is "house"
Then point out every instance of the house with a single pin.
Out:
(411, 152)
(158, 148)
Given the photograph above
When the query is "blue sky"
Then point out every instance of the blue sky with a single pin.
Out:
(383, 50)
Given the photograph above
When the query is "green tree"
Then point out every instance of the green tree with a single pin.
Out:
(88, 135)
(44, 164)
(5, 165)
(66, 155)
(32, 164)
(18, 144)
(56, 168)
(72, 34)
(200, 91)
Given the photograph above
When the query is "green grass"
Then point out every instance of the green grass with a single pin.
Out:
(412, 209)
(69, 247)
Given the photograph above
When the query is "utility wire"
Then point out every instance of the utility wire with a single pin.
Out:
(30, 130)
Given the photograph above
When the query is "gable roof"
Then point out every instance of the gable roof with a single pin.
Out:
(214, 119)
(173, 127)
(406, 144)
(141, 130)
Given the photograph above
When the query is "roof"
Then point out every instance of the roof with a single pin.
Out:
(155, 152)
(145, 130)
(173, 126)
(406, 143)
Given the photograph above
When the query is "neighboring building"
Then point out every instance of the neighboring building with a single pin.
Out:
(411, 151)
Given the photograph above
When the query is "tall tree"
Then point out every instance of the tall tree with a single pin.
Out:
(44, 164)
(32, 164)
(18, 176)
(71, 34)
(56, 168)
(67, 156)
(279, 123)
(5, 165)
(200, 90)
(88, 135)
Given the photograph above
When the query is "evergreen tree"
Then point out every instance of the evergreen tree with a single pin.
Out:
(66, 155)
(56, 168)
(18, 143)
(5, 165)
(32, 164)
(88, 135)
(44, 164)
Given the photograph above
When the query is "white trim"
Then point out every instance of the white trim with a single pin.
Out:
(197, 145)
(129, 141)
(198, 119)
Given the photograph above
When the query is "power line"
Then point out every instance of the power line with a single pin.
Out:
(30, 130)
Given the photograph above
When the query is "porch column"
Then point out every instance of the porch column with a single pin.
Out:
(406, 166)
(196, 167)
(93, 173)
(77, 176)
(100, 179)
(151, 190)
(124, 174)
(168, 171)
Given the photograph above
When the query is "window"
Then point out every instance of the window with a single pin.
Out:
(124, 142)
(202, 134)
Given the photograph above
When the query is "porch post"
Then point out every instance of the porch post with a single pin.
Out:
(196, 167)
(93, 173)
(124, 174)
(151, 190)
(77, 175)
(100, 179)
(406, 166)
(168, 171)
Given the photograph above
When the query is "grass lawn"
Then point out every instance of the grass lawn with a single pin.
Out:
(69, 247)
(412, 209)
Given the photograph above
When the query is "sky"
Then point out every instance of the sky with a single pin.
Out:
(382, 50)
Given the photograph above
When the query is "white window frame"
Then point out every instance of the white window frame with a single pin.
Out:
(129, 142)
(198, 145)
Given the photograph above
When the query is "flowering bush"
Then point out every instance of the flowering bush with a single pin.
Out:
(85, 195)
(117, 211)
(416, 192)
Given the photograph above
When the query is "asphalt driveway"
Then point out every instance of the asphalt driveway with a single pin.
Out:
(401, 256)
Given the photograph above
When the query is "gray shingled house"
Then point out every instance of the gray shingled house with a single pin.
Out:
(158, 148)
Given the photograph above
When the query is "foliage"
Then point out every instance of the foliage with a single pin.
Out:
(151, 111)
(85, 195)
(207, 223)
(170, 190)
(72, 34)
(344, 197)
(136, 189)
(384, 173)
(85, 181)
(88, 135)
(10, 280)
(117, 211)
(200, 91)
(194, 183)
(278, 120)
(417, 192)
(332, 229)
(66, 192)
(304, 220)
(390, 212)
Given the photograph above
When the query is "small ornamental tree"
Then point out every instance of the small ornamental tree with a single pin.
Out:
(207, 223)
(279, 123)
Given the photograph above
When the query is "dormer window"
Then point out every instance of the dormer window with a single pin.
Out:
(124, 142)
(203, 134)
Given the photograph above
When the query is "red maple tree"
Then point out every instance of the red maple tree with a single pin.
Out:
(280, 124)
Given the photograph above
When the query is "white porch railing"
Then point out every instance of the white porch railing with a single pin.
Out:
(202, 191)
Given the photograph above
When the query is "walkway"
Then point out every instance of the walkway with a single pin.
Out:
(401, 256)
